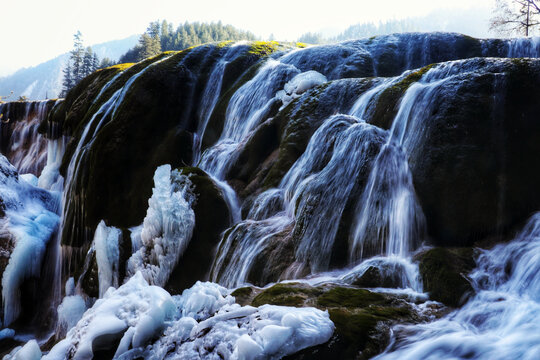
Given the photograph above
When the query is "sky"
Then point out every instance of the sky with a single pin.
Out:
(33, 31)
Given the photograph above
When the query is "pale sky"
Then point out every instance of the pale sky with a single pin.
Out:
(33, 31)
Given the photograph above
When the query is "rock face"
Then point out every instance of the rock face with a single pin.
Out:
(305, 137)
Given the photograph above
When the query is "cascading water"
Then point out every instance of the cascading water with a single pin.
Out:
(211, 95)
(502, 321)
(21, 143)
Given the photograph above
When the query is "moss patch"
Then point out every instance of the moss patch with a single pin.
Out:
(290, 294)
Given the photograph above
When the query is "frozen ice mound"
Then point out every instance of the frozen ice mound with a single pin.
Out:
(202, 323)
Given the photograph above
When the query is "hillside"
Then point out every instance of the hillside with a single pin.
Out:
(45, 80)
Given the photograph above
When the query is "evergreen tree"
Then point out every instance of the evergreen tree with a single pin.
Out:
(82, 62)
(88, 63)
(68, 81)
(311, 38)
(150, 46)
(161, 36)
(95, 62)
(77, 57)
(106, 62)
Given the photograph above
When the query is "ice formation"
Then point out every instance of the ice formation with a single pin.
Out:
(135, 312)
(30, 351)
(106, 240)
(167, 227)
(50, 177)
(299, 85)
(202, 323)
(70, 311)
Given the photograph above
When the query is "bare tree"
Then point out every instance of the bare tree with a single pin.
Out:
(516, 16)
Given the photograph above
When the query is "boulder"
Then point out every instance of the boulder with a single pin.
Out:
(444, 273)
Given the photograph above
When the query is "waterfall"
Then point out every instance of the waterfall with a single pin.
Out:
(502, 321)
(336, 198)
(211, 94)
(247, 108)
(20, 142)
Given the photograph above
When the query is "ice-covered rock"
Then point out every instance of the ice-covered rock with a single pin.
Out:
(167, 227)
(70, 311)
(30, 351)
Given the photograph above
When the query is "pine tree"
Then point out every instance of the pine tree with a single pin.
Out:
(95, 62)
(150, 46)
(77, 57)
(82, 62)
(106, 62)
(88, 63)
(68, 81)
(160, 36)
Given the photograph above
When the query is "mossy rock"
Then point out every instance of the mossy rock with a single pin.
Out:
(196, 261)
(362, 318)
(287, 294)
(253, 153)
(272, 262)
(444, 274)
(244, 295)
(375, 277)
(388, 101)
(148, 130)
(349, 298)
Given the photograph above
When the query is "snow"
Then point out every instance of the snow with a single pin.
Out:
(166, 229)
(31, 222)
(237, 332)
(212, 326)
(106, 241)
(203, 300)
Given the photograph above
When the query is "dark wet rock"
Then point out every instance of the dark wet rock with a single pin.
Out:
(444, 273)
(473, 172)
